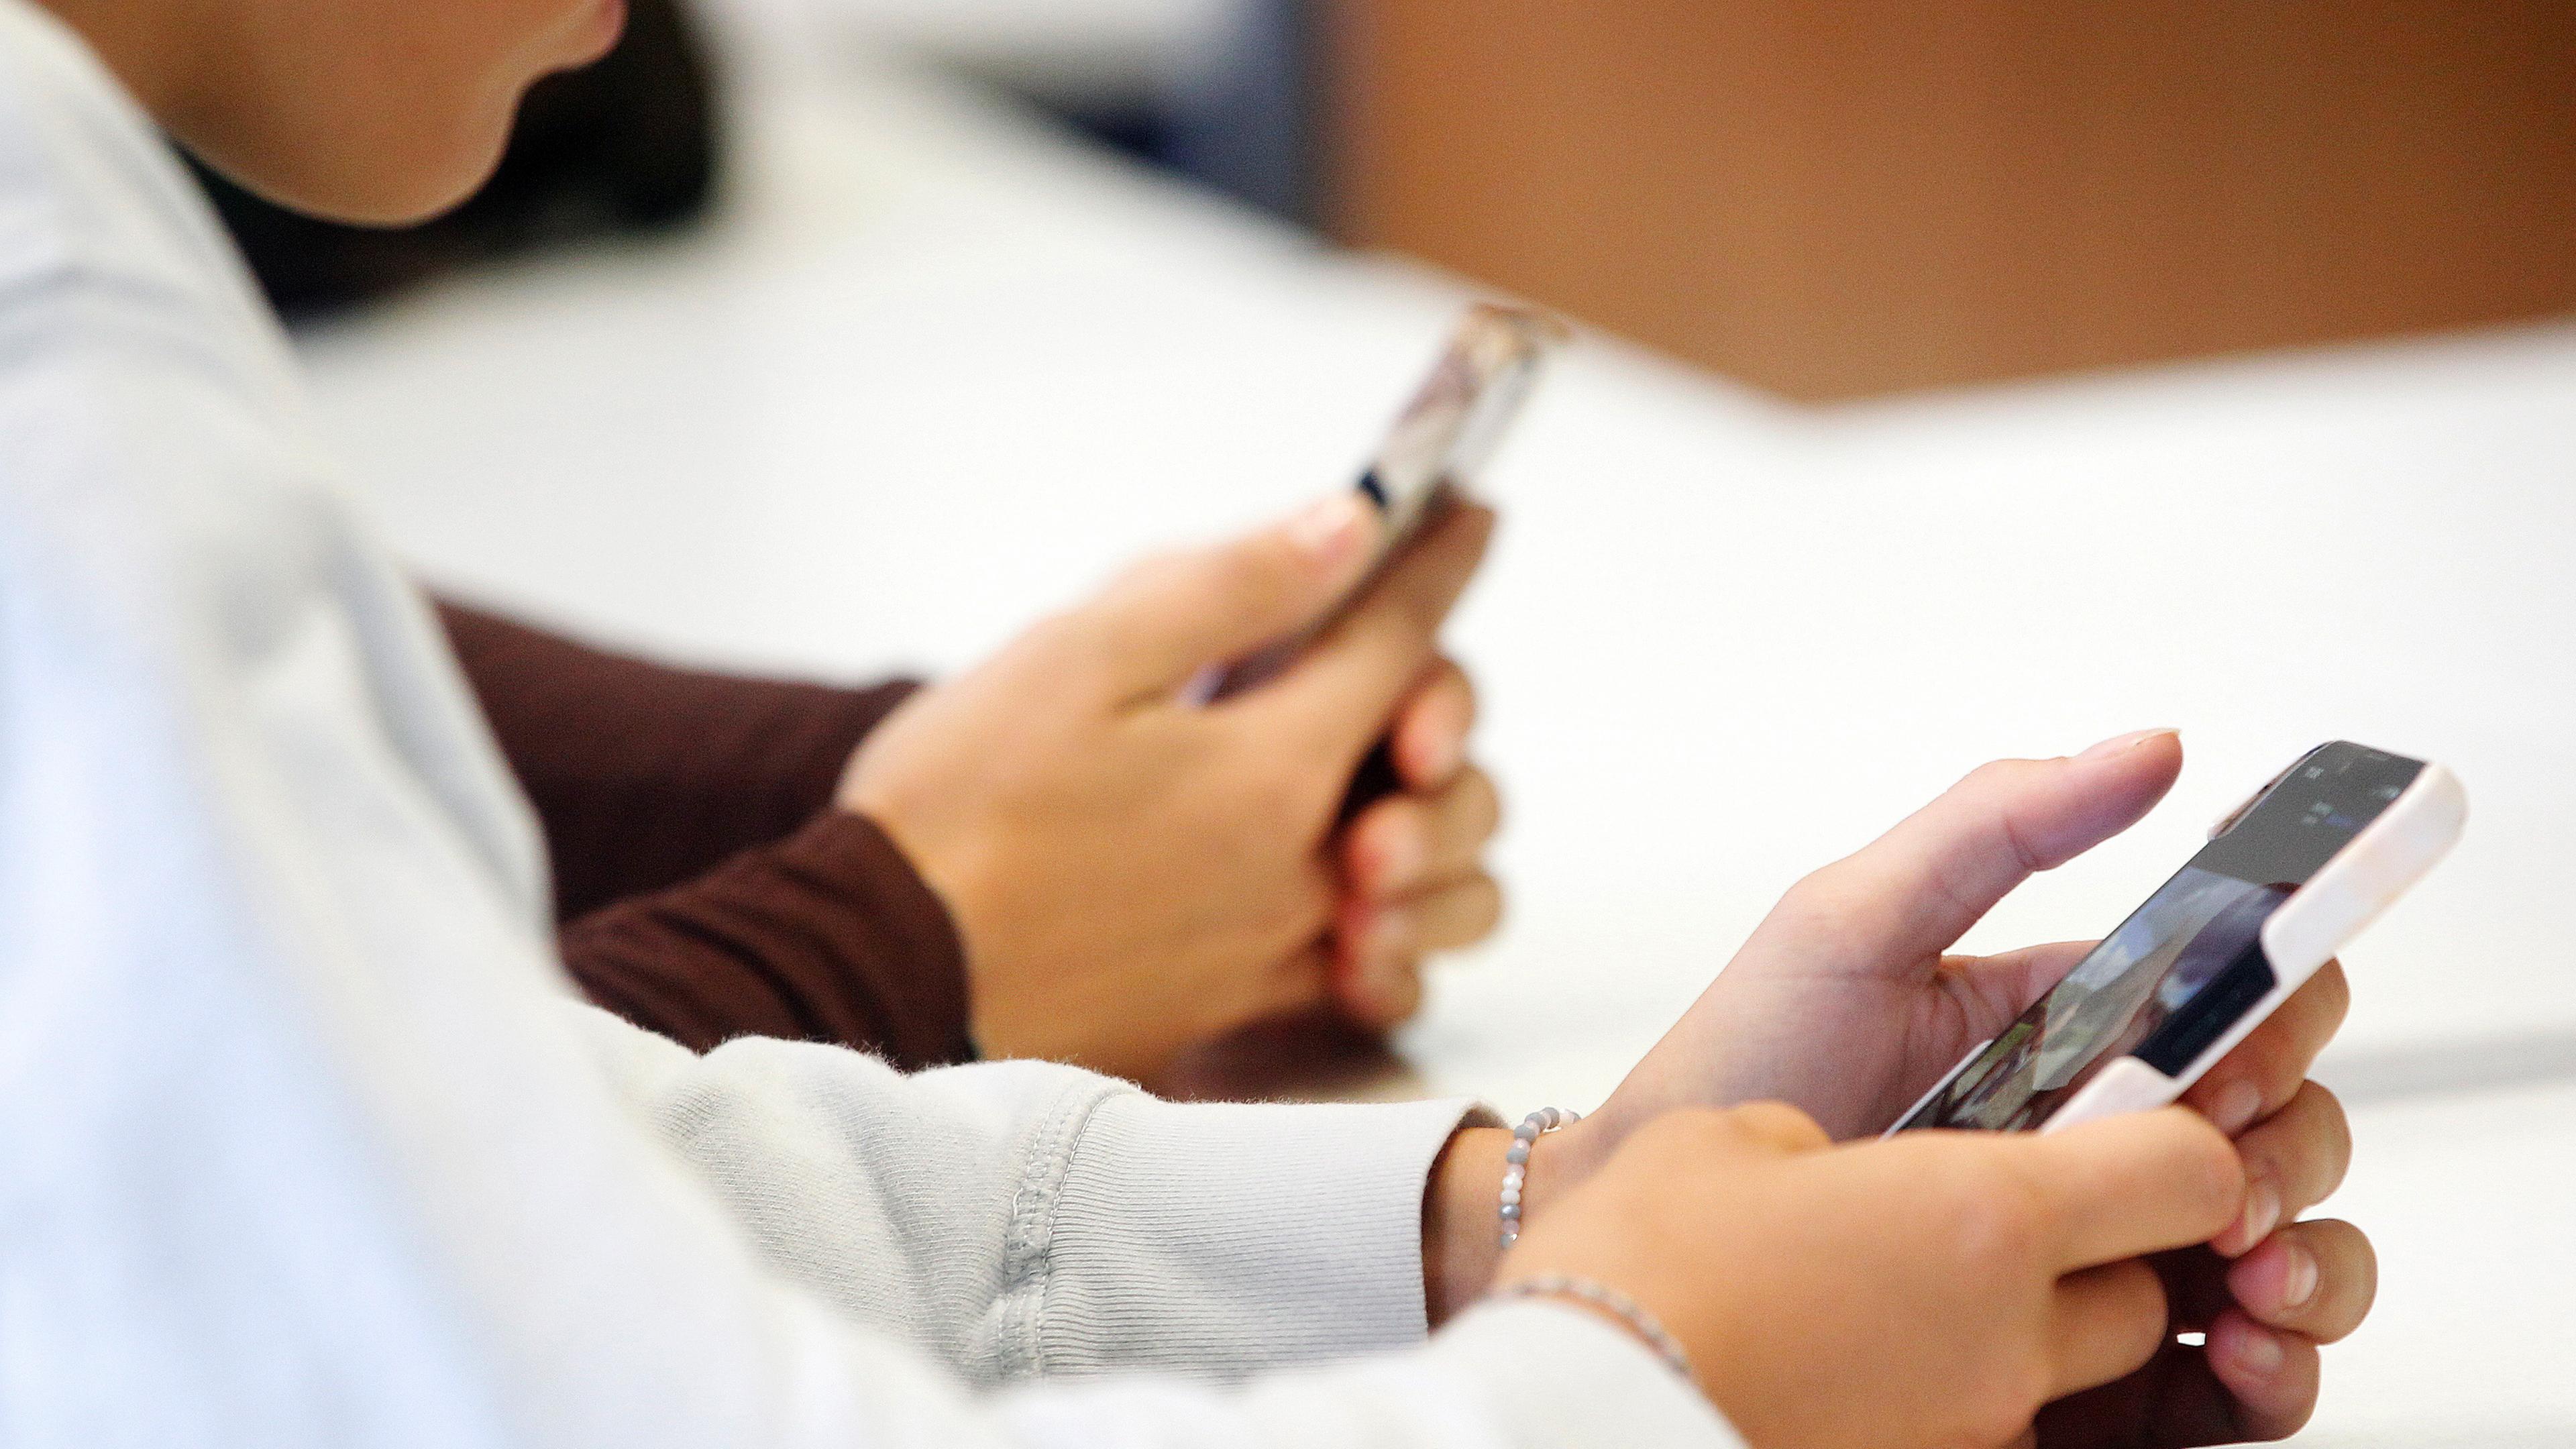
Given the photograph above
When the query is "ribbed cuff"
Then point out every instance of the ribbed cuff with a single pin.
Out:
(1221, 1240)
(1557, 1375)
(846, 859)
(828, 935)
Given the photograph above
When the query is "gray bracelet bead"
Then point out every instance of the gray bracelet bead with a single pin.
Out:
(1516, 1162)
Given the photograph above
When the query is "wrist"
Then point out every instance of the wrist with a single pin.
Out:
(1460, 1243)
(1461, 1214)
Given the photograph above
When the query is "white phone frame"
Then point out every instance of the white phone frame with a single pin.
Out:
(2379, 864)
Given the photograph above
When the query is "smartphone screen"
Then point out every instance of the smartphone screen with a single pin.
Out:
(1456, 418)
(2184, 966)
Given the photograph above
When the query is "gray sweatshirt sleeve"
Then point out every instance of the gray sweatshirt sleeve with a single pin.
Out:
(1050, 1232)
(1021, 1219)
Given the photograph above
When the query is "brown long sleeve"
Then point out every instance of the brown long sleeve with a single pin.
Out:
(645, 775)
(827, 935)
(707, 887)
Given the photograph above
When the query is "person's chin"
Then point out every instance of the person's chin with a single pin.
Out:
(445, 169)
(404, 179)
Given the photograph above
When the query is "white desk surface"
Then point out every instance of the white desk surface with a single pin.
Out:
(936, 371)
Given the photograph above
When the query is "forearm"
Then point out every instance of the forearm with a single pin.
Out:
(1023, 1219)
(1539, 1375)
(644, 775)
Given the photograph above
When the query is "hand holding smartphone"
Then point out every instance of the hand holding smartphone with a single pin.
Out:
(2286, 880)
(1434, 451)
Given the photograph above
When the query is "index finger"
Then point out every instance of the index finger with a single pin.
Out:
(2132, 1185)
(1345, 688)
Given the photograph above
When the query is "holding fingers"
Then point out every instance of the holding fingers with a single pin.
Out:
(1815, 1316)
(1132, 873)
(2289, 1288)
(2256, 1374)
(1847, 1002)
(2292, 1285)
(1412, 863)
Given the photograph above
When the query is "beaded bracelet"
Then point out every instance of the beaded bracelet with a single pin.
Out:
(1630, 1313)
(1516, 1162)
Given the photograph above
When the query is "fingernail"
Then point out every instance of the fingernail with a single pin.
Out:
(2298, 1276)
(2262, 1212)
(2237, 1103)
(2121, 744)
(2259, 1353)
(1329, 530)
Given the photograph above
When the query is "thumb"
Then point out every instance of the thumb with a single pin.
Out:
(1342, 694)
(1915, 890)
(1170, 617)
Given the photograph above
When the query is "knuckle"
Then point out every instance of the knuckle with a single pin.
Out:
(1988, 775)
(1080, 643)
(1996, 777)
(1689, 1134)
(1271, 566)
(1998, 1219)
(1992, 787)
(1152, 574)
(1245, 587)
(1817, 913)
(1061, 629)
(2146, 1314)
(2017, 1385)
(1278, 790)
(1226, 581)
(2209, 1180)
(1780, 1125)
(2027, 1381)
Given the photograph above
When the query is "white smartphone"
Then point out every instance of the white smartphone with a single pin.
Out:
(2287, 878)
(1433, 451)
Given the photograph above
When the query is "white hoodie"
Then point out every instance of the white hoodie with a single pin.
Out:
(303, 1140)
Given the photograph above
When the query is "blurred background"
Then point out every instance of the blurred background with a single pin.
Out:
(1827, 201)
(1957, 380)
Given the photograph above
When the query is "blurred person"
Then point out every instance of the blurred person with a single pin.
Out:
(305, 1144)
(901, 871)
(712, 879)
